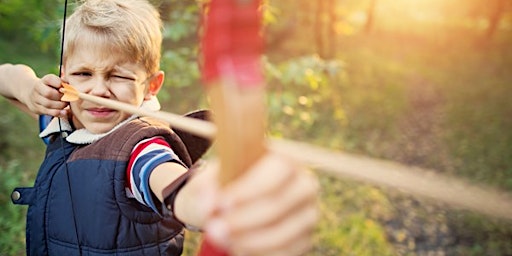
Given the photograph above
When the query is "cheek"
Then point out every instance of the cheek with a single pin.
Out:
(133, 96)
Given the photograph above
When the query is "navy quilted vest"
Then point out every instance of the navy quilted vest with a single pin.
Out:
(92, 215)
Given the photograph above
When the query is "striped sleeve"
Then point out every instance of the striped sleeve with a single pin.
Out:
(145, 156)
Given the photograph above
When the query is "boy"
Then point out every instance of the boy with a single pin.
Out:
(101, 186)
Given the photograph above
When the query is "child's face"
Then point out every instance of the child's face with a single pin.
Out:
(98, 71)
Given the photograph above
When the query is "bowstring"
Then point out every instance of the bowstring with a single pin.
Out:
(63, 134)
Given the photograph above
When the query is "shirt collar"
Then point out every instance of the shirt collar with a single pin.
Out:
(83, 136)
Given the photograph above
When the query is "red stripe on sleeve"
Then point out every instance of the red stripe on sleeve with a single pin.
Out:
(136, 151)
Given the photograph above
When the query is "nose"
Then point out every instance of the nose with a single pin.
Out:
(100, 88)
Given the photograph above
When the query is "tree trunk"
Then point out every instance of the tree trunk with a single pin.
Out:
(370, 14)
(318, 28)
(325, 33)
(331, 8)
(495, 18)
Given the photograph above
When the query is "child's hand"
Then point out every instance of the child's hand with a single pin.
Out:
(44, 97)
(20, 84)
(270, 210)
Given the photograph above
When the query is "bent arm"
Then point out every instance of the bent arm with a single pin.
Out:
(36, 96)
(11, 77)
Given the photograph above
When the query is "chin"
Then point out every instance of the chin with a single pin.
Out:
(99, 128)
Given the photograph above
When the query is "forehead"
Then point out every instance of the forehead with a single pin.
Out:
(99, 53)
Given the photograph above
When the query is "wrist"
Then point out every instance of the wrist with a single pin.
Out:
(194, 202)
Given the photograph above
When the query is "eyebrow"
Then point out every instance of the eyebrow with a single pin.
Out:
(124, 70)
(115, 68)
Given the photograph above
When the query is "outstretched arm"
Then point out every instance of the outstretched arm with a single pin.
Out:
(36, 96)
(269, 210)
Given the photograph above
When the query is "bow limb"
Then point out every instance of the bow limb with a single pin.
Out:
(232, 75)
(239, 115)
(232, 45)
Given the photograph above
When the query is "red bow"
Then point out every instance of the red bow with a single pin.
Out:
(231, 49)
(232, 43)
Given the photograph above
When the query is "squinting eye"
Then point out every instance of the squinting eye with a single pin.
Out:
(81, 74)
(124, 78)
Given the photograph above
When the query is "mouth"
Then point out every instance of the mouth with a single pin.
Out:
(100, 112)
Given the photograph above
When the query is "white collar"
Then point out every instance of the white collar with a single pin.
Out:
(83, 136)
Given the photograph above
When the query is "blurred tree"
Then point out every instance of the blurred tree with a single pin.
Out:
(495, 15)
(489, 16)
(370, 14)
(325, 34)
(319, 24)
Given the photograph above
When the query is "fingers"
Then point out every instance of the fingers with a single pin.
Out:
(291, 235)
(50, 90)
(265, 177)
(294, 193)
(45, 97)
(269, 211)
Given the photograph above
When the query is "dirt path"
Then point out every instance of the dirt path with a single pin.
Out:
(424, 228)
(419, 227)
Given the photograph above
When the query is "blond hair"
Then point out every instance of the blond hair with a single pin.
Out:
(132, 27)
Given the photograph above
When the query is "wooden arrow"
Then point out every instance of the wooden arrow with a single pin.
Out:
(453, 192)
(197, 127)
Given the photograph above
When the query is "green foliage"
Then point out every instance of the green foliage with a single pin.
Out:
(32, 20)
(180, 19)
(348, 224)
(356, 235)
(181, 67)
(19, 160)
(14, 142)
(12, 219)
(179, 56)
(314, 82)
(22, 150)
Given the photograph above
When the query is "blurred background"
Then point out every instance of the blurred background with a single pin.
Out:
(427, 83)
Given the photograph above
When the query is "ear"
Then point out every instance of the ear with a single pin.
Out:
(154, 84)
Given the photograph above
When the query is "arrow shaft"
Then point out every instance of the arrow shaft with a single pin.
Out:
(195, 126)
(420, 182)
(455, 193)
